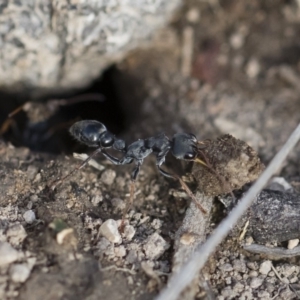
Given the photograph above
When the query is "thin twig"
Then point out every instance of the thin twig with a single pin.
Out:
(196, 261)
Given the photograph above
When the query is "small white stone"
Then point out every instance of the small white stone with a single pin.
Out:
(279, 184)
(193, 15)
(29, 216)
(226, 267)
(253, 68)
(155, 246)
(187, 239)
(118, 204)
(256, 282)
(129, 232)
(237, 40)
(19, 272)
(265, 267)
(239, 266)
(7, 254)
(61, 237)
(97, 199)
(109, 229)
(16, 234)
(108, 176)
(120, 251)
(293, 243)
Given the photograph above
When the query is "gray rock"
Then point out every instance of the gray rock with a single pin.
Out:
(129, 232)
(252, 265)
(29, 216)
(263, 295)
(109, 229)
(97, 199)
(16, 234)
(265, 267)
(7, 254)
(120, 251)
(59, 45)
(118, 204)
(155, 246)
(256, 282)
(108, 176)
(226, 267)
(19, 272)
(239, 266)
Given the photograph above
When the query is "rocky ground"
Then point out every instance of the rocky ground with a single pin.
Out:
(220, 67)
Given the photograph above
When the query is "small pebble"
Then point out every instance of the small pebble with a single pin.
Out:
(19, 272)
(228, 293)
(253, 68)
(108, 176)
(237, 40)
(226, 267)
(187, 239)
(256, 282)
(239, 266)
(97, 199)
(279, 184)
(247, 295)
(66, 236)
(287, 294)
(265, 267)
(129, 232)
(252, 265)
(239, 287)
(253, 274)
(120, 251)
(31, 172)
(29, 216)
(288, 270)
(155, 246)
(7, 254)
(263, 295)
(118, 204)
(109, 229)
(293, 243)
(156, 224)
(193, 15)
(104, 246)
(16, 234)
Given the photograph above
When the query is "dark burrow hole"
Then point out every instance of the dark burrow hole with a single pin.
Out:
(43, 125)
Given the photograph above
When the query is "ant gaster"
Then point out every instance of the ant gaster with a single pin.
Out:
(95, 134)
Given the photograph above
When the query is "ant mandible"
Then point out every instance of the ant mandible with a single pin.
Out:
(94, 134)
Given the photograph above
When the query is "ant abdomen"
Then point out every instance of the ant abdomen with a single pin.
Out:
(88, 132)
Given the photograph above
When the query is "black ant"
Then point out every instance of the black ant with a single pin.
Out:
(94, 134)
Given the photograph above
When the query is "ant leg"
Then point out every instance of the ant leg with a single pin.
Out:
(184, 186)
(116, 161)
(56, 182)
(134, 176)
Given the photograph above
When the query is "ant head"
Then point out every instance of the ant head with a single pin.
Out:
(184, 146)
(90, 132)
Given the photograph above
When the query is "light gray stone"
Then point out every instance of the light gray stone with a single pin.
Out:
(64, 44)
(265, 267)
(155, 246)
(29, 216)
(19, 272)
(109, 229)
(7, 254)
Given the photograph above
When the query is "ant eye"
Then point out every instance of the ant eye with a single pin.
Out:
(190, 155)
